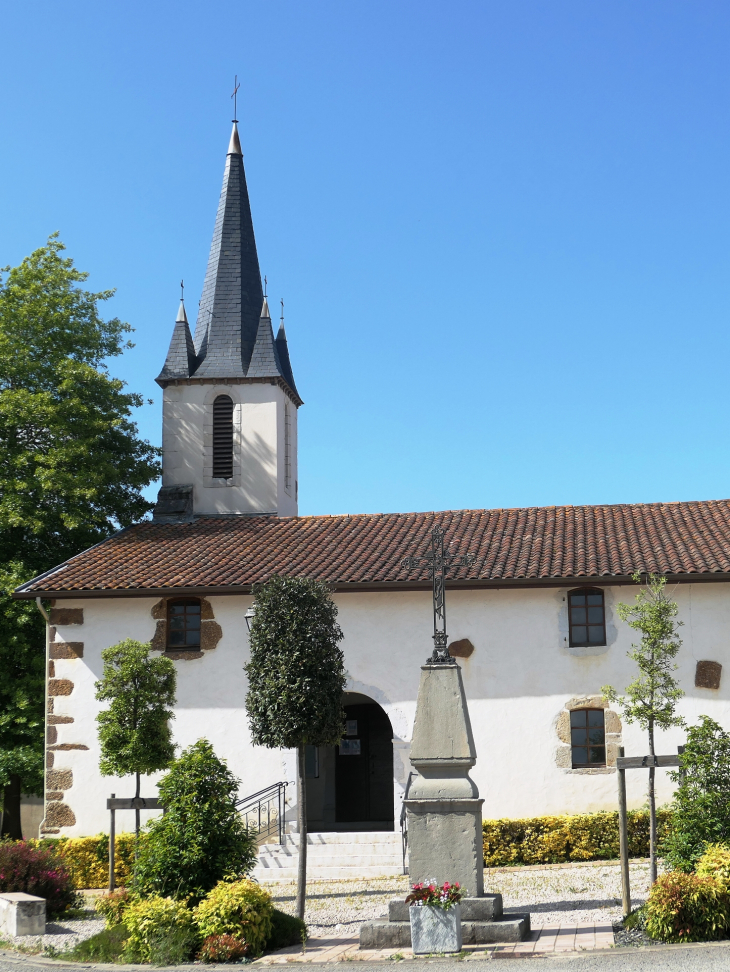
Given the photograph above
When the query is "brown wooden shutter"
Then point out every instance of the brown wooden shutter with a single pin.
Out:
(222, 437)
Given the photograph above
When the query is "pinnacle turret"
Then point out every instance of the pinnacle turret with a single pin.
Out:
(180, 361)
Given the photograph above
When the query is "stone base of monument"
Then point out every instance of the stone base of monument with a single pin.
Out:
(482, 923)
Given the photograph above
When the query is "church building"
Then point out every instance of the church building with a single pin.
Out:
(532, 616)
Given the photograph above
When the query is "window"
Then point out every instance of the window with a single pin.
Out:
(311, 762)
(587, 618)
(223, 437)
(287, 447)
(183, 624)
(588, 737)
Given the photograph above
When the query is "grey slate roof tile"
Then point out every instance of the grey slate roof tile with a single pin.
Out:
(231, 339)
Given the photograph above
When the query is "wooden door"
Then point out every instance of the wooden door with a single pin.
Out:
(364, 767)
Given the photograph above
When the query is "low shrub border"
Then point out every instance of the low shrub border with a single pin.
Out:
(561, 839)
(87, 858)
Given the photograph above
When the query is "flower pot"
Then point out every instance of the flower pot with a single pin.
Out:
(435, 930)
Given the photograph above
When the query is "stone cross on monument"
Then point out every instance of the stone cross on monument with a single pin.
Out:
(438, 563)
(443, 808)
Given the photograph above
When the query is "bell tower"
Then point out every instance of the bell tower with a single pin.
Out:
(229, 413)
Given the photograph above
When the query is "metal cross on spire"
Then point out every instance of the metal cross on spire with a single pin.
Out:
(438, 563)
(236, 86)
(182, 290)
(266, 286)
(282, 309)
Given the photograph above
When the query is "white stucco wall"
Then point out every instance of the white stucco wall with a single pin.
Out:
(517, 682)
(258, 483)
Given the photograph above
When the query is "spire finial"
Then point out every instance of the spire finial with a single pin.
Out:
(266, 284)
(282, 312)
(182, 290)
(236, 86)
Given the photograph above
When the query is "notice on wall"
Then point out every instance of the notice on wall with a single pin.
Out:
(350, 747)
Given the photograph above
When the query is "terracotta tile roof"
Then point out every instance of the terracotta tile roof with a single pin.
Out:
(519, 545)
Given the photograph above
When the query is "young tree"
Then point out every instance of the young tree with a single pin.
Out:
(651, 699)
(296, 679)
(201, 839)
(72, 469)
(134, 731)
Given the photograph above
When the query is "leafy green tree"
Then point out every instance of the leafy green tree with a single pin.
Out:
(651, 699)
(701, 804)
(72, 469)
(134, 731)
(201, 839)
(22, 677)
(296, 679)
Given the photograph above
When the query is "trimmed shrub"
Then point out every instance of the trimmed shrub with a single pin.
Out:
(112, 906)
(38, 871)
(161, 931)
(87, 858)
(687, 908)
(223, 948)
(715, 862)
(201, 839)
(286, 930)
(559, 839)
(701, 804)
(239, 908)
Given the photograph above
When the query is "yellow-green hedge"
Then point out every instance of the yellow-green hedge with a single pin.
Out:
(555, 840)
(87, 858)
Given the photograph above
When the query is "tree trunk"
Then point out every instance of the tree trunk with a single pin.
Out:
(652, 811)
(136, 817)
(302, 826)
(136, 836)
(11, 810)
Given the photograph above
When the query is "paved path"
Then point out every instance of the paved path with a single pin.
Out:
(714, 957)
(542, 940)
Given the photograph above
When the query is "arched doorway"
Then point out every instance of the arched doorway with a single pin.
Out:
(350, 786)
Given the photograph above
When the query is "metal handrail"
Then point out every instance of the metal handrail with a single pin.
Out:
(265, 811)
(404, 820)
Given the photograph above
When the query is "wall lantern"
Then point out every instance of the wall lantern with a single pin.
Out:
(249, 616)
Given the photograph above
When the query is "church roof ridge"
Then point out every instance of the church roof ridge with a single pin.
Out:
(687, 540)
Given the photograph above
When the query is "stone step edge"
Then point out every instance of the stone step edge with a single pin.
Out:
(390, 934)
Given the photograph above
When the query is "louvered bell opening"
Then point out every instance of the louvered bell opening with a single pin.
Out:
(222, 437)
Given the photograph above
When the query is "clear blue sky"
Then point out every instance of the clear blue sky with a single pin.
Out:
(502, 229)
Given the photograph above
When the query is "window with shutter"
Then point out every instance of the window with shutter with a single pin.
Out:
(223, 437)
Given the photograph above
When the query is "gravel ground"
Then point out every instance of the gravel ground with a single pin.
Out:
(572, 894)
(577, 893)
(60, 934)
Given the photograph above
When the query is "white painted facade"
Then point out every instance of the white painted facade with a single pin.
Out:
(518, 680)
(262, 446)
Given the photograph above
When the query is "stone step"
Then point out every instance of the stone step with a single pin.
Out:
(486, 908)
(333, 850)
(397, 934)
(347, 837)
(333, 856)
(324, 873)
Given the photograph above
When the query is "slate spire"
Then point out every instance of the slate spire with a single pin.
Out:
(265, 358)
(180, 361)
(283, 350)
(228, 318)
